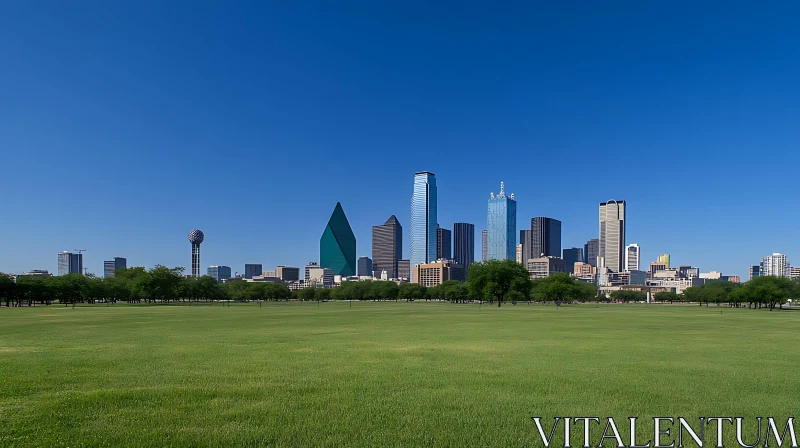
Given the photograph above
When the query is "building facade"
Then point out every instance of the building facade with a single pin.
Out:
(423, 218)
(794, 272)
(632, 256)
(69, 263)
(337, 246)
(664, 259)
(502, 226)
(287, 273)
(542, 267)
(111, 266)
(775, 265)
(525, 242)
(755, 271)
(545, 237)
(219, 273)
(431, 274)
(404, 269)
(519, 254)
(612, 234)
(572, 256)
(253, 270)
(591, 250)
(464, 244)
(444, 240)
(320, 277)
(364, 267)
(484, 245)
(387, 247)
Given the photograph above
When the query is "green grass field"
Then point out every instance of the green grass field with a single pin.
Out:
(379, 374)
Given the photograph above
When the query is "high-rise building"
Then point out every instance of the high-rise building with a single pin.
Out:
(502, 226)
(464, 245)
(287, 273)
(519, 253)
(664, 259)
(755, 271)
(545, 237)
(253, 270)
(319, 277)
(311, 265)
(591, 250)
(387, 247)
(571, 256)
(337, 246)
(423, 218)
(443, 242)
(69, 263)
(484, 245)
(219, 273)
(111, 266)
(365, 266)
(775, 265)
(525, 242)
(612, 234)
(632, 257)
(794, 272)
(404, 269)
(196, 237)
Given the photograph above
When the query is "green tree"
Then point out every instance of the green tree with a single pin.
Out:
(411, 291)
(322, 294)
(307, 293)
(7, 288)
(495, 279)
(666, 296)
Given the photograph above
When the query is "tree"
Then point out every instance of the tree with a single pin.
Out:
(307, 293)
(666, 296)
(562, 288)
(411, 291)
(495, 279)
(7, 288)
(626, 296)
(322, 294)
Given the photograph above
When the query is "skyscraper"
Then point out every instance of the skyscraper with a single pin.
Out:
(111, 266)
(591, 250)
(632, 257)
(423, 219)
(404, 269)
(545, 237)
(387, 247)
(464, 245)
(571, 256)
(612, 234)
(502, 226)
(525, 241)
(253, 270)
(364, 267)
(219, 273)
(484, 245)
(775, 265)
(443, 241)
(337, 246)
(69, 263)
(196, 237)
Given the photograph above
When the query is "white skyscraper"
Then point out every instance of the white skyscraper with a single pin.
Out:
(632, 257)
(776, 265)
(612, 234)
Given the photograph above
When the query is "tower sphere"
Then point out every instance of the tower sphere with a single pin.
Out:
(196, 236)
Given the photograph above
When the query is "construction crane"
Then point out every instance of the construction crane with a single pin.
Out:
(85, 269)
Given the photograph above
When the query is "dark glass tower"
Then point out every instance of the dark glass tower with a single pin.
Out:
(337, 246)
(591, 250)
(464, 245)
(545, 237)
(572, 256)
(443, 242)
(196, 238)
(387, 247)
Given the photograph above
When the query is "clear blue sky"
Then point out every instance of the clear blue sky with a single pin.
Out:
(123, 125)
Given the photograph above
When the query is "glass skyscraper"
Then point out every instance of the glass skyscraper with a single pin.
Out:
(337, 246)
(464, 245)
(502, 226)
(423, 219)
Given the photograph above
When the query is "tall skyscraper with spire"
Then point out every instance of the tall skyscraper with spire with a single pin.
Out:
(502, 226)
(612, 234)
(423, 219)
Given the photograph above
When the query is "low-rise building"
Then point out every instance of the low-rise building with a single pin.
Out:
(545, 266)
(432, 274)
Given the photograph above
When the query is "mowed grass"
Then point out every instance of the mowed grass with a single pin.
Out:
(380, 374)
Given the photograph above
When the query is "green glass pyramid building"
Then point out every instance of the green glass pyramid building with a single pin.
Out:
(337, 247)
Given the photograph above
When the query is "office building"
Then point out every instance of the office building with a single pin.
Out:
(612, 234)
(664, 259)
(287, 273)
(502, 226)
(309, 266)
(111, 266)
(732, 278)
(775, 265)
(464, 245)
(423, 219)
(571, 256)
(793, 273)
(582, 269)
(36, 273)
(688, 271)
(253, 270)
(219, 273)
(404, 269)
(542, 267)
(545, 237)
(484, 245)
(320, 277)
(337, 246)
(444, 238)
(69, 263)
(364, 267)
(755, 271)
(591, 250)
(713, 275)
(431, 274)
(519, 253)
(655, 267)
(525, 241)
(387, 247)
(632, 253)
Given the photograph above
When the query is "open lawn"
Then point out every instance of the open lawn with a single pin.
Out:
(380, 374)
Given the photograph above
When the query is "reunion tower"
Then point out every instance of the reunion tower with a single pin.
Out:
(196, 237)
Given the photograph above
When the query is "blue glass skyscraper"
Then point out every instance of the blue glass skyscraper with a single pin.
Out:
(423, 219)
(502, 226)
